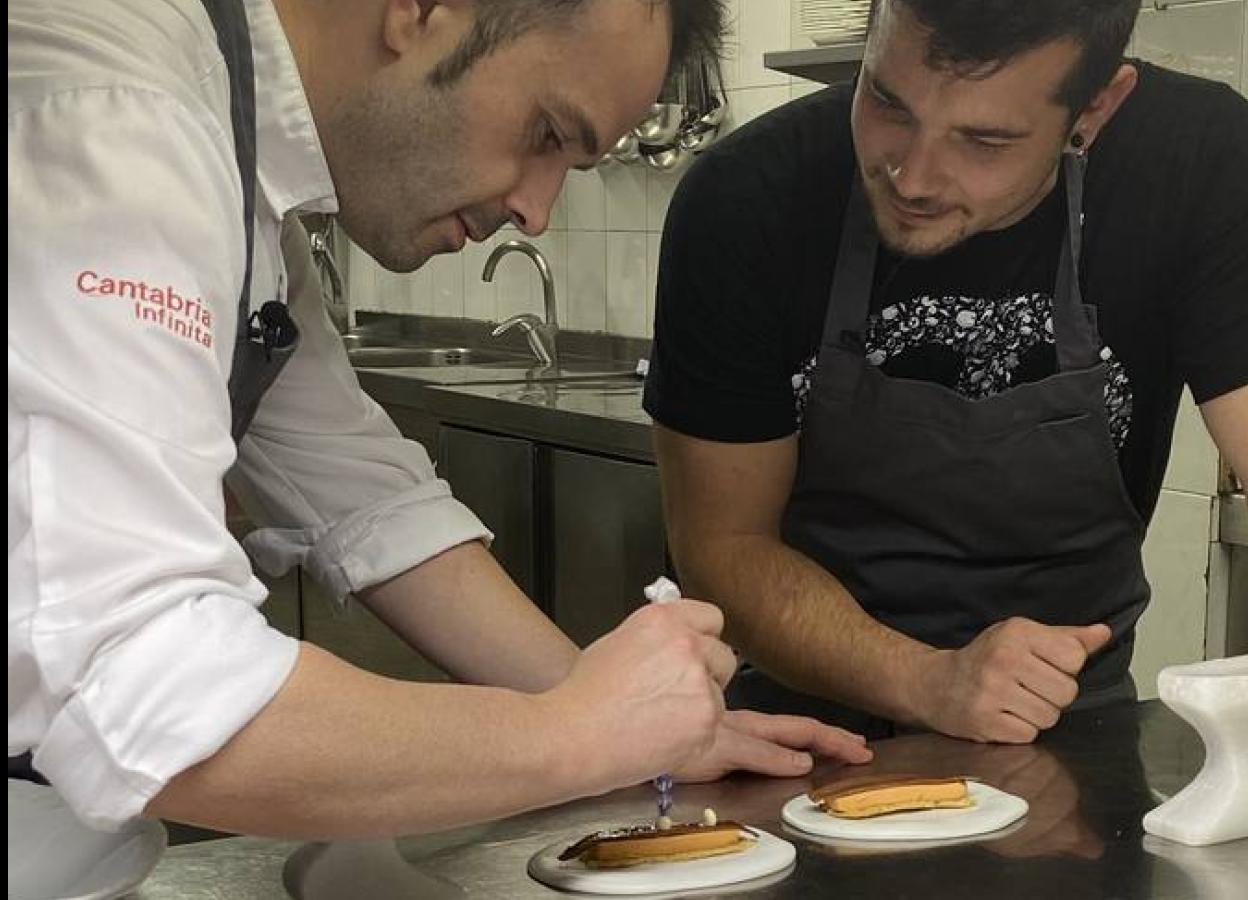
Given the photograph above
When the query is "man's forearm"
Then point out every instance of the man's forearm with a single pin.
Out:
(461, 610)
(1227, 420)
(341, 753)
(793, 619)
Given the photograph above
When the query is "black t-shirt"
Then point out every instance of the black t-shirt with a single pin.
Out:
(750, 245)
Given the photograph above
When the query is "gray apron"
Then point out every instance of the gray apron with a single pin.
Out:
(265, 340)
(943, 515)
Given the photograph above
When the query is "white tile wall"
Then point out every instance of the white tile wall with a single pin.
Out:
(1206, 39)
(626, 283)
(1176, 561)
(1193, 455)
(730, 61)
(586, 296)
(446, 282)
(586, 200)
(604, 230)
(750, 103)
(653, 242)
(626, 190)
(480, 297)
(763, 25)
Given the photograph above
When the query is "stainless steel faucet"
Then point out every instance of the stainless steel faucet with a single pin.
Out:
(540, 333)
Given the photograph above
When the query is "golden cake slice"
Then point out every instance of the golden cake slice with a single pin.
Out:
(662, 843)
(876, 795)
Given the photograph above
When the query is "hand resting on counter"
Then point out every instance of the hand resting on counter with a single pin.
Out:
(783, 746)
(1010, 683)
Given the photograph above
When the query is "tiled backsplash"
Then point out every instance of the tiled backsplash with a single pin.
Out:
(603, 241)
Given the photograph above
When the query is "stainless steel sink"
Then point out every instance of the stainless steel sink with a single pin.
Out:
(548, 393)
(629, 385)
(356, 339)
(428, 357)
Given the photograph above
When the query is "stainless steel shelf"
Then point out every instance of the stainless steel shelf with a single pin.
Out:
(828, 65)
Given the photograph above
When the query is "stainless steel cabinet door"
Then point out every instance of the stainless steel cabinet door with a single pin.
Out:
(415, 424)
(605, 540)
(495, 477)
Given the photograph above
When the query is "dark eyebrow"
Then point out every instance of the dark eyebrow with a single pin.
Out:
(584, 129)
(991, 132)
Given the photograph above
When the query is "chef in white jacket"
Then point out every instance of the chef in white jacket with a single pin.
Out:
(142, 677)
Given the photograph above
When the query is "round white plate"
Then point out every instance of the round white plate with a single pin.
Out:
(53, 856)
(993, 810)
(769, 855)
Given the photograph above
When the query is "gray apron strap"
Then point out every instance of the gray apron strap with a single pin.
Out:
(265, 341)
(1074, 323)
(852, 283)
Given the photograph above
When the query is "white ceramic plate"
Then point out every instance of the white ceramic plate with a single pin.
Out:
(993, 810)
(53, 856)
(771, 854)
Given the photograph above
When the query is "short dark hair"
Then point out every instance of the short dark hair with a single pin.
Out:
(697, 29)
(976, 38)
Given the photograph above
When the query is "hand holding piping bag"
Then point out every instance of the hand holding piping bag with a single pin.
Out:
(663, 590)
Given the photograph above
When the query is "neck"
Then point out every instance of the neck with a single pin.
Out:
(324, 49)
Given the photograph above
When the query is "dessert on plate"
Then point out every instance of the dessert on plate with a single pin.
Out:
(865, 796)
(661, 842)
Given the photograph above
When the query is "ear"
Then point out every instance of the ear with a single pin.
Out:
(407, 24)
(1103, 106)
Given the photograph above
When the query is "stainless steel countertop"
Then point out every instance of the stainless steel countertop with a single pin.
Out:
(1089, 782)
(602, 415)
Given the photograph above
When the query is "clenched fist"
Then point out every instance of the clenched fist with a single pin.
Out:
(1010, 683)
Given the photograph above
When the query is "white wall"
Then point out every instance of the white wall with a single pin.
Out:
(603, 242)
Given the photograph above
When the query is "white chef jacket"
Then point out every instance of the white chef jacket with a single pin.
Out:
(135, 644)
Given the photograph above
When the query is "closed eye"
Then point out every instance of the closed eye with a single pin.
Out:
(882, 98)
(549, 137)
(992, 145)
(889, 104)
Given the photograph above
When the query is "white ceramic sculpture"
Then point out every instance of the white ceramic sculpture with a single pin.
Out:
(1213, 697)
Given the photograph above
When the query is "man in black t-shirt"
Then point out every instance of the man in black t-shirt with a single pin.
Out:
(918, 350)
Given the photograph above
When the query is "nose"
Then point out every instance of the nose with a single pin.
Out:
(529, 202)
(915, 173)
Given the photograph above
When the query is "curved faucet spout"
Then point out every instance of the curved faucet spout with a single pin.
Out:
(543, 269)
(541, 334)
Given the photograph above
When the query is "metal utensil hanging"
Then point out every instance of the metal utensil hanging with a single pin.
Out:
(704, 128)
(687, 119)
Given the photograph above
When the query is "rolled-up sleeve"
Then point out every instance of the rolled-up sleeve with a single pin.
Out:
(136, 648)
(338, 489)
